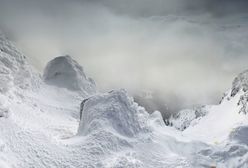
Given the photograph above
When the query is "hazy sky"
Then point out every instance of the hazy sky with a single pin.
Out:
(189, 49)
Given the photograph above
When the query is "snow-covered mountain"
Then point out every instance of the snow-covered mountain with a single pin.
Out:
(40, 123)
(65, 72)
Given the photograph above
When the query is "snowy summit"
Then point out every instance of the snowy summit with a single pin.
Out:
(65, 72)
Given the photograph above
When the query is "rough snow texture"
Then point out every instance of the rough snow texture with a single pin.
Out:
(39, 127)
(14, 69)
(240, 83)
(113, 110)
(239, 89)
(187, 117)
(65, 72)
(243, 103)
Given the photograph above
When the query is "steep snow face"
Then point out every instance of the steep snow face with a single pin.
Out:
(65, 72)
(14, 70)
(114, 110)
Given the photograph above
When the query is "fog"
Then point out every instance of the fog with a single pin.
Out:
(185, 52)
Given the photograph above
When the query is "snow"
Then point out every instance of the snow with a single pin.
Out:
(157, 119)
(217, 125)
(222, 119)
(14, 68)
(65, 72)
(240, 83)
(113, 110)
(187, 117)
(40, 123)
(3, 164)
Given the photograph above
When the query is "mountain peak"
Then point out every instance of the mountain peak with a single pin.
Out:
(65, 72)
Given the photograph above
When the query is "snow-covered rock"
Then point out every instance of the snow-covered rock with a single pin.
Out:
(240, 83)
(240, 134)
(184, 118)
(157, 119)
(65, 72)
(14, 69)
(239, 91)
(4, 112)
(4, 106)
(243, 103)
(240, 88)
(114, 110)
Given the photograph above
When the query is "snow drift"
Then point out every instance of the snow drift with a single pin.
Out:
(65, 72)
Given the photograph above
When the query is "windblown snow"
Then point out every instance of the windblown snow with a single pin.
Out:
(40, 124)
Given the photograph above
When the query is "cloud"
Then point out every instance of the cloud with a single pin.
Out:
(161, 46)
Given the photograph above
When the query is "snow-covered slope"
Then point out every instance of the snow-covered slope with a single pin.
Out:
(17, 76)
(224, 118)
(15, 73)
(14, 69)
(40, 125)
(223, 127)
